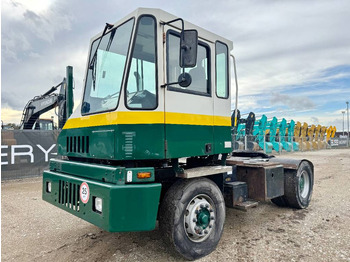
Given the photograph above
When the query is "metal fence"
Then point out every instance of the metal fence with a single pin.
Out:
(26, 153)
(271, 145)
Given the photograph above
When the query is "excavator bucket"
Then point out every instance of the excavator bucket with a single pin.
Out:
(294, 134)
(314, 141)
(259, 132)
(333, 131)
(291, 133)
(282, 135)
(277, 146)
(303, 138)
(329, 133)
(310, 135)
(318, 141)
(323, 136)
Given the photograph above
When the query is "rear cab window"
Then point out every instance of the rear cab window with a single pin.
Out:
(221, 70)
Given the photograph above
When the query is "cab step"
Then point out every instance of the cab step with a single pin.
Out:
(244, 206)
(236, 196)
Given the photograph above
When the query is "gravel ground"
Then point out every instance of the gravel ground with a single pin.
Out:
(33, 230)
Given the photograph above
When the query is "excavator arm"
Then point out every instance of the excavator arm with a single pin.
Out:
(36, 107)
(49, 100)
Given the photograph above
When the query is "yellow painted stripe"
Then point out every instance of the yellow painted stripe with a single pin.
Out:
(188, 119)
(222, 121)
(146, 117)
(113, 118)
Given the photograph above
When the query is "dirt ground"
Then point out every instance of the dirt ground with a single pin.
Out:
(33, 230)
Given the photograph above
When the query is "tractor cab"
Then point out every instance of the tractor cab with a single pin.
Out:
(156, 87)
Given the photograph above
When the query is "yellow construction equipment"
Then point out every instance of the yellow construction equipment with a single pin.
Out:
(334, 129)
(323, 136)
(303, 133)
(329, 133)
(310, 134)
(316, 142)
(297, 132)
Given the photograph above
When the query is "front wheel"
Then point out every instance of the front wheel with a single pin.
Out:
(192, 216)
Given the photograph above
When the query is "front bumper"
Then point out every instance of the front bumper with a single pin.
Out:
(128, 207)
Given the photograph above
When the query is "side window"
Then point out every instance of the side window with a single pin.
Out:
(200, 74)
(141, 90)
(221, 70)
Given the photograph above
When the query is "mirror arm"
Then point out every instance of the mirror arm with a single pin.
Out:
(181, 36)
(182, 31)
(184, 80)
(168, 84)
(175, 20)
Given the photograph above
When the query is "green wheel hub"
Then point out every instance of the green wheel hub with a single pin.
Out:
(203, 218)
(199, 218)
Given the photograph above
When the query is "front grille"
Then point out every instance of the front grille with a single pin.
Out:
(77, 144)
(68, 195)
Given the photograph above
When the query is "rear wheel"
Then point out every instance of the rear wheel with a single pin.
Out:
(279, 201)
(298, 186)
(192, 216)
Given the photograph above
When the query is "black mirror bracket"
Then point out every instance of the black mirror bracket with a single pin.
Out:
(184, 80)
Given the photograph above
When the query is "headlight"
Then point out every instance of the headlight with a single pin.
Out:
(98, 204)
(48, 187)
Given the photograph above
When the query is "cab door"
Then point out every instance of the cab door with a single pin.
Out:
(142, 134)
(188, 111)
(222, 100)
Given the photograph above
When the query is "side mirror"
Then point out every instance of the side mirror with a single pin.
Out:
(184, 79)
(188, 48)
(85, 108)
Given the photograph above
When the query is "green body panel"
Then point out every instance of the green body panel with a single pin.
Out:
(144, 141)
(117, 142)
(191, 140)
(110, 174)
(130, 207)
(188, 140)
(222, 134)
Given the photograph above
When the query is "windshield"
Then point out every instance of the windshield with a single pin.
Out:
(105, 70)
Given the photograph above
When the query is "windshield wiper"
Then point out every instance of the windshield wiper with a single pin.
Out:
(93, 59)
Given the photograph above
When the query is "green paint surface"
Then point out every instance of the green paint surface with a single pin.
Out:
(131, 207)
(144, 141)
(109, 174)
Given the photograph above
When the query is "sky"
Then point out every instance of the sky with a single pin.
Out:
(293, 56)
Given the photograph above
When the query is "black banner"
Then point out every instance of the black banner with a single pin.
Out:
(26, 153)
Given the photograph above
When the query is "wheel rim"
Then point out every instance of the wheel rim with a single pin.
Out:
(199, 218)
(304, 184)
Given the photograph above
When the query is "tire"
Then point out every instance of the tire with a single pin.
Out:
(192, 216)
(279, 201)
(298, 186)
